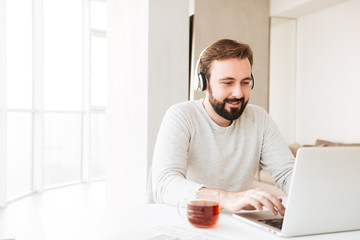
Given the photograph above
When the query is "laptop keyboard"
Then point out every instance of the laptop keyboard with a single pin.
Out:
(276, 223)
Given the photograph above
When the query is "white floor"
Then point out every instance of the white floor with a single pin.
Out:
(41, 216)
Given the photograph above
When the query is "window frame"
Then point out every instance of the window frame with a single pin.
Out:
(37, 111)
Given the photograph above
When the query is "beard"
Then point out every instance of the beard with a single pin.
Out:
(219, 106)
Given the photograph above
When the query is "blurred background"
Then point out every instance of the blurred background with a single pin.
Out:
(84, 84)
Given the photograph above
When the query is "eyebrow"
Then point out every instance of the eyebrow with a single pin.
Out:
(233, 79)
(226, 78)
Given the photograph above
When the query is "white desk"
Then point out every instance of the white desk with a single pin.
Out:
(227, 228)
(51, 216)
(113, 223)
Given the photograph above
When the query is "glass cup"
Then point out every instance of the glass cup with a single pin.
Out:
(202, 208)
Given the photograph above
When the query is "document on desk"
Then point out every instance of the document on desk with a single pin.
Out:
(173, 233)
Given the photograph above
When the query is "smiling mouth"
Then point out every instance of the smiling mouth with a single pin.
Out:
(235, 102)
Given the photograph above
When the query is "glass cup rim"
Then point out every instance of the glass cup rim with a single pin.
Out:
(203, 195)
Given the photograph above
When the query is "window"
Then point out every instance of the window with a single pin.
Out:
(53, 94)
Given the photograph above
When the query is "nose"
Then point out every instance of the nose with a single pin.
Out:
(237, 91)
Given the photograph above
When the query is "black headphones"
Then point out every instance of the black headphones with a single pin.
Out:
(199, 79)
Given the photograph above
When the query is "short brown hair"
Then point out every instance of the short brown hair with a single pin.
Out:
(224, 49)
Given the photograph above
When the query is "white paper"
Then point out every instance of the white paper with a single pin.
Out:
(172, 233)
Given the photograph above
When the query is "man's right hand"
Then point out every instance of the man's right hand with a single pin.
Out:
(253, 199)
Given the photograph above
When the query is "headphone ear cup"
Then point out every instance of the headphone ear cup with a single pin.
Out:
(252, 84)
(202, 81)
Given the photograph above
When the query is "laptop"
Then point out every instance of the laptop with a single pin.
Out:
(324, 195)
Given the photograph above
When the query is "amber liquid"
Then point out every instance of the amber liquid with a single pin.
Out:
(203, 213)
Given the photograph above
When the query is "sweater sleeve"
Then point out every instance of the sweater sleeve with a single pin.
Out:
(170, 159)
(276, 157)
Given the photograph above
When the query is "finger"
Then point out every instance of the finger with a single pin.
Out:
(255, 203)
(268, 204)
(283, 209)
(252, 198)
(271, 202)
(249, 208)
(278, 205)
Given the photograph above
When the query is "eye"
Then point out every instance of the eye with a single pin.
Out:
(227, 83)
(245, 83)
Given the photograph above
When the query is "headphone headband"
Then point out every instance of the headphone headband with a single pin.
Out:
(199, 79)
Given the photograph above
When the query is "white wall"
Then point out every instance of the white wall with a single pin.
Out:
(168, 61)
(283, 75)
(299, 8)
(327, 71)
(148, 72)
(328, 81)
(127, 99)
(2, 107)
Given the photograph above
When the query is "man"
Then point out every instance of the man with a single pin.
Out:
(217, 143)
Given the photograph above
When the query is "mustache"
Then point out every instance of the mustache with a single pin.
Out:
(231, 100)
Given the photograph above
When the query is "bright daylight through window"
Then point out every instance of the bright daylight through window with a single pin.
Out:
(54, 94)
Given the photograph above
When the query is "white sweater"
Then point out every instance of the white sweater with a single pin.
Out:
(192, 151)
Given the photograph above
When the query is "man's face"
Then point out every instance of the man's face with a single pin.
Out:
(229, 87)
